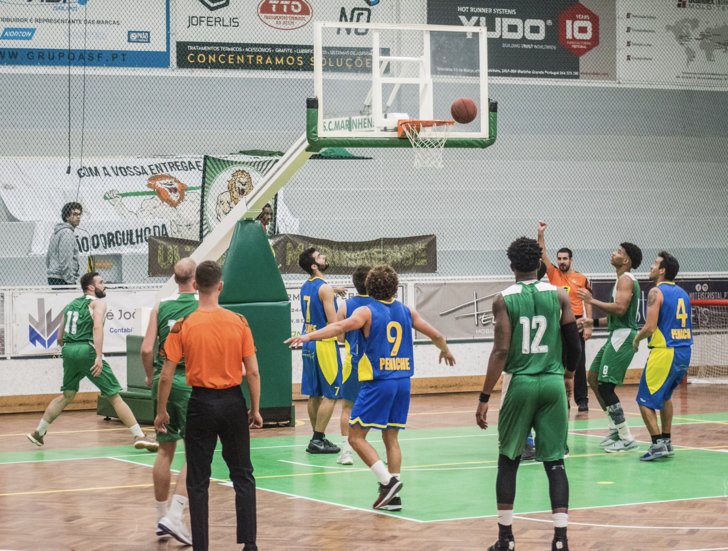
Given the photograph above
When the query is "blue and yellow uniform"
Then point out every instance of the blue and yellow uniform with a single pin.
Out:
(385, 368)
(670, 347)
(321, 361)
(354, 341)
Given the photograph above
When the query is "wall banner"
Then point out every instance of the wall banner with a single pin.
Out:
(85, 33)
(530, 38)
(165, 252)
(38, 316)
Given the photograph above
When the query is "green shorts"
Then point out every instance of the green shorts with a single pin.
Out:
(538, 402)
(179, 396)
(611, 362)
(78, 359)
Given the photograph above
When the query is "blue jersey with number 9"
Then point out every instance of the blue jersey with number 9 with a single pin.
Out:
(388, 350)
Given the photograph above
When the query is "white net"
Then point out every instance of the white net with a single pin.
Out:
(709, 359)
(428, 142)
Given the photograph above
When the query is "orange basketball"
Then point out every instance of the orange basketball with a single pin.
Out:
(464, 110)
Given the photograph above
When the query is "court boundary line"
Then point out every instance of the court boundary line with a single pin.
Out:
(624, 526)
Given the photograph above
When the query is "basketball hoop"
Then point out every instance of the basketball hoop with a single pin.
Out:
(428, 139)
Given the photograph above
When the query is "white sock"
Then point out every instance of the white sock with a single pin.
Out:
(161, 509)
(624, 432)
(177, 506)
(561, 520)
(381, 472)
(136, 430)
(42, 427)
(396, 475)
(505, 517)
(345, 446)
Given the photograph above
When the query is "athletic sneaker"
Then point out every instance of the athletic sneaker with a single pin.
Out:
(656, 451)
(503, 545)
(668, 443)
(394, 505)
(610, 439)
(36, 438)
(175, 528)
(529, 452)
(145, 443)
(583, 407)
(322, 446)
(387, 492)
(345, 458)
(560, 545)
(621, 446)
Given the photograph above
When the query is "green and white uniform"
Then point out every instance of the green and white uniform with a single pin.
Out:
(171, 310)
(536, 396)
(78, 350)
(613, 359)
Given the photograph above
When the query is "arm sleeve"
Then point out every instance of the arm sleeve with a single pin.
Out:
(572, 345)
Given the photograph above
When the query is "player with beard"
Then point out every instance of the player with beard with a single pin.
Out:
(81, 335)
(322, 368)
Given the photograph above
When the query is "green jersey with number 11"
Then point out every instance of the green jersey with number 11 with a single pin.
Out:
(535, 315)
(78, 325)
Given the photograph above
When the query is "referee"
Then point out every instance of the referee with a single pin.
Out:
(215, 344)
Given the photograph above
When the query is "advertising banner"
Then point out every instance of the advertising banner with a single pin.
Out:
(681, 42)
(38, 316)
(405, 254)
(225, 182)
(87, 33)
(530, 38)
(125, 201)
(165, 252)
(278, 34)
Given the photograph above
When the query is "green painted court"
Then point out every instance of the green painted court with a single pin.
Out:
(449, 474)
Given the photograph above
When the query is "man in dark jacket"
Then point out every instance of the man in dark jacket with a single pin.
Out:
(62, 257)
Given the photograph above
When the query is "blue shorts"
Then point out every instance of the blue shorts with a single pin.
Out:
(321, 369)
(665, 368)
(350, 385)
(382, 404)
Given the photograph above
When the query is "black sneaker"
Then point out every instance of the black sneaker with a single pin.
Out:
(529, 453)
(394, 505)
(503, 545)
(583, 407)
(560, 545)
(322, 446)
(387, 492)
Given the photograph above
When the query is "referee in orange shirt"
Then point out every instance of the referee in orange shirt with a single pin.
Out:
(215, 344)
(570, 280)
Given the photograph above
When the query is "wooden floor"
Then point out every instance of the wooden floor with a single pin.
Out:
(83, 500)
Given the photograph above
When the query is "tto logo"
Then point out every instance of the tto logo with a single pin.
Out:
(578, 29)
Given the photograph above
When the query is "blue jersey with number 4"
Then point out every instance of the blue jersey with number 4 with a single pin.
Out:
(674, 323)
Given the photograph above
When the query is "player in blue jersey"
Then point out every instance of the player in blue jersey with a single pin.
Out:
(385, 370)
(321, 377)
(354, 342)
(669, 327)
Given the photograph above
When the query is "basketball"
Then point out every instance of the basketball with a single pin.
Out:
(464, 110)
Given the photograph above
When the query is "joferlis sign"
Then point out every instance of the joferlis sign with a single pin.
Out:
(534, 39)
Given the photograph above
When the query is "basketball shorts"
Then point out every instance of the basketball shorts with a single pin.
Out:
(665, 368)
(321, 369)
(78, 359)
(613, 359)
(179, 396)
(350, 382)
(534, 402)
(382, 404)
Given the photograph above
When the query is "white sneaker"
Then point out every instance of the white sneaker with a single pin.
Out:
(621, 446)
(146, 443)
(345, 458)
(175, 528)
(161, 534)
(610, 439)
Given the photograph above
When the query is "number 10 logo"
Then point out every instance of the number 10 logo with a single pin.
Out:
(578, 30)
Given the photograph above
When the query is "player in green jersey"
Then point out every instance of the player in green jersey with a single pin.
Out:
(81, 335)
(610, 365)
(170, 521)
(532, 319)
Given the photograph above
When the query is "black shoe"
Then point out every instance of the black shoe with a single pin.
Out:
(250, 547)
(503, 545)
(529, 453)
(387, 492)
(394, 505)
(583, 406)
(560, 545)
(322, 446)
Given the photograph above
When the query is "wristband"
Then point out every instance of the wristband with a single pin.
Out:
(595, 322)
(484, 398)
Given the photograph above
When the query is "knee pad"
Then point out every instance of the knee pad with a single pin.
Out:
(616, 413)
(606, 391)
(558, 484)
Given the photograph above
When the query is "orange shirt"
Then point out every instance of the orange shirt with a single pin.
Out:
(213, 345)
(569, 283)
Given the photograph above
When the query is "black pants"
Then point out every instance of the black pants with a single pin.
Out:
(212, 413)
(581, 390)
